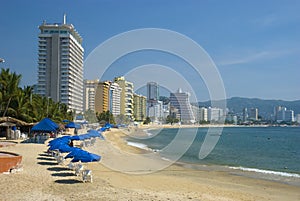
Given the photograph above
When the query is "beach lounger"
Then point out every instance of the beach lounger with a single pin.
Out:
(60, 160)
(87, 176)
(55, 153)
(71, 166)
(93, 141)
(87, 143)
(78, 169)
(82, 144)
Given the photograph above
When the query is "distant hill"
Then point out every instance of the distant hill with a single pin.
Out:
(265, 107)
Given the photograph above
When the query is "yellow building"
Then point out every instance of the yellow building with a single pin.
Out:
(139, 105)
(126, 99)
(102, 97)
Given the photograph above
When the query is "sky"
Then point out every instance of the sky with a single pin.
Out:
(255, 45)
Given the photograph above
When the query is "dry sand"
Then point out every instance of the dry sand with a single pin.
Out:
(43, 179)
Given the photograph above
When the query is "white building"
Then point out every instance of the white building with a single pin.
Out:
(126, 99)
(298, 118)
(115, 99)
(215, 114)
(282, 114)
(196, 112)
(289, 116)
(60, 64)
(203, 114)
(180, 100)
(156, 112)
(89, 91)
(253, 114)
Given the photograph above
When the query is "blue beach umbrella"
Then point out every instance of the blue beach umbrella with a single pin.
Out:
(62, 147)
(81, 155)
(86, 157)
(75, 137)
(64, 139)
(72, 125)
(75, 151)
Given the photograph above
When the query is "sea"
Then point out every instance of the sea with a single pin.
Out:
(262, 152)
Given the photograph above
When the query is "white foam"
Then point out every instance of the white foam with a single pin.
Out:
(147, 132)
(138, 145)
(284, 174)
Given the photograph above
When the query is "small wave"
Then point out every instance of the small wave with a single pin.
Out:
(284, 174)
(138, 145)
(147, 132)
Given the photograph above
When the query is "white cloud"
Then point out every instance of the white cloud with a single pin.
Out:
(249, 57)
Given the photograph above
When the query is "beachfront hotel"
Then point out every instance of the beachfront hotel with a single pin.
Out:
(60, 64)
(89, 91)
(115, 99)
(180, 100)
(126, 98)
(102, 97)
(139, 104)
(152, 93)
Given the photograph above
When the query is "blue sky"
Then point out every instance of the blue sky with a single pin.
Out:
(254, 44)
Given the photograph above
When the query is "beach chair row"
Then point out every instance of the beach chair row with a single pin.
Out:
(77, 167)
(87, 143)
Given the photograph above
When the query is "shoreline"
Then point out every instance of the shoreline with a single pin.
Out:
(43, 179)
(159, 126)
(290, 178)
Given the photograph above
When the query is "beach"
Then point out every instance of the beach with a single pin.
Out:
(43, 179)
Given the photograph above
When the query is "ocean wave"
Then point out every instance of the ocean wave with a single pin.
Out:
(270, 172)
(138, 145)
(147, 132)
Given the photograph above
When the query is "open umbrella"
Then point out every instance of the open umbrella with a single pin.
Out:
(62, 147)
(86, 157)
(74, 152)
(63, 140)
(45, 125)
(72, 125)
(81, 155)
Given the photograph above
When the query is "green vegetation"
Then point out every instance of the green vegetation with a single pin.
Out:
(90, 116)
(171, 120)
(147, 120)
(24, 105)
(106, 117)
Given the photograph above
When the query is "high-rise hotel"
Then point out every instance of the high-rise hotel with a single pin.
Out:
(60, 64)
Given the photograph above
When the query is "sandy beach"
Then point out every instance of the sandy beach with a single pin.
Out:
(43, 179)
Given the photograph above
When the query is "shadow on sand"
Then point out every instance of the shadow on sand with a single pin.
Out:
(63, 174)
(58, 169)
(45, 155)
(46, 159)
(46, 163)
(68, 181)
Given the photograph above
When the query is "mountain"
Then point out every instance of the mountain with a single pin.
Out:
(265, 107)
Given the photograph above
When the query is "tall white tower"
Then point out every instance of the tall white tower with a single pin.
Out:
(60, 64)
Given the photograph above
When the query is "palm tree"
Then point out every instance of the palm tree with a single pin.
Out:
(24, 105)
(9, 84)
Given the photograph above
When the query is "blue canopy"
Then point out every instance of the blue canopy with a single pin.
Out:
(107, 125)
(86, 157)
(95, 133)
(45, 125)
(72, 125)
(63, 140)
(81, 155)
(63, 148)
(75, 137)
(76, 151)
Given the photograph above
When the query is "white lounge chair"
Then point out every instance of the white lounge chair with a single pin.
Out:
(93, 140)
(60, 160)
(71, 166)
(78, 169)
(87, 176)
